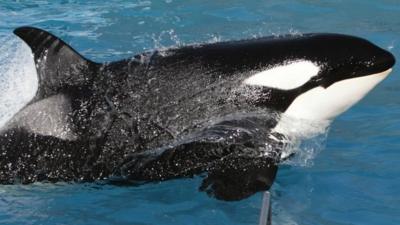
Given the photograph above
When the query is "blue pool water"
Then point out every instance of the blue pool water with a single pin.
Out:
(353, 180)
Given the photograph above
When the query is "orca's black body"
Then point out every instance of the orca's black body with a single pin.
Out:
(169, 114)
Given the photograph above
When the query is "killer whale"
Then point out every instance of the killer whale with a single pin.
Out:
(147, 118)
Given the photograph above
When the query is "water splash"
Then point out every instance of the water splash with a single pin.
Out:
(304, 139)
(214, 38)
(18, 79)
(279, 32)
(166, 39)
(391, 46)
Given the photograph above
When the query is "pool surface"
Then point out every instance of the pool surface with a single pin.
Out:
(354, 179)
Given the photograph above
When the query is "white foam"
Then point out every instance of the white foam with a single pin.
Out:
(18, 77)
(304, 139)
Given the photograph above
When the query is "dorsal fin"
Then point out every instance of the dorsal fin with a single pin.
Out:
(58, 65)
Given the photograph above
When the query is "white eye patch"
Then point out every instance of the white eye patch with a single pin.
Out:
(286, 76)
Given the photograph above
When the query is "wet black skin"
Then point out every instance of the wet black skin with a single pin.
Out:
(176, 113)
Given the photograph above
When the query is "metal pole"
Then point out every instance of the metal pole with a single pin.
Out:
(265, 215)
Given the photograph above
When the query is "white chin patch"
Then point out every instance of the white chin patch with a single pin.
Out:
(286, 76)
(326, 103)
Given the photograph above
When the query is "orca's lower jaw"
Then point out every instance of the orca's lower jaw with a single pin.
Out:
(321, 104)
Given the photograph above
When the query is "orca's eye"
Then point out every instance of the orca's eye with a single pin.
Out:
(285, 76)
